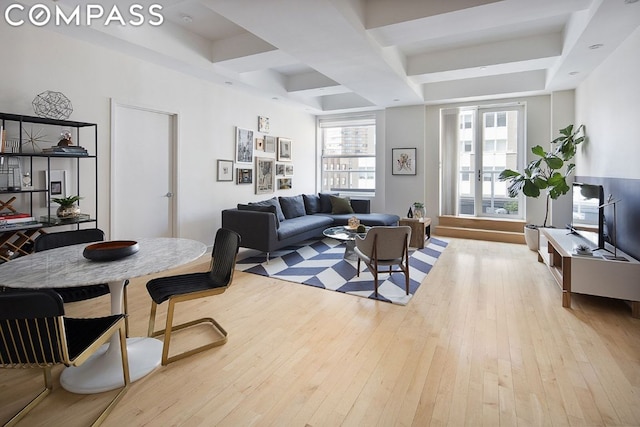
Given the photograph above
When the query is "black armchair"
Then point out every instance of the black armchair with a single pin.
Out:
(35, 334)
(79, 293)
(186, 287)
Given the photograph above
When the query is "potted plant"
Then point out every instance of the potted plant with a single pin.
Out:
(547, 173)
(418, 210)
(583, 249)
(68, 208)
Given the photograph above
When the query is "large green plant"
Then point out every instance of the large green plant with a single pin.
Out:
(547, 172)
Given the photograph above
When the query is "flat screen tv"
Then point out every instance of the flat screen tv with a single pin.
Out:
(588, 216)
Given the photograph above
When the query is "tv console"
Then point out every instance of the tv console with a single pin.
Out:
(588, 274)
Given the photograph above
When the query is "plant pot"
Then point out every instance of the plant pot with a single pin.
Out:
(68, 212)
(531, 237)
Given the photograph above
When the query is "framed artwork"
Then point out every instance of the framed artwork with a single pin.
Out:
(58, 184)
(288, 170)
(403, 161)
(244, 176)
(269, 144)
(263, 124)
(284, 149)
(265, 175)
(284, 183)
(260, 144)
(244, 145)
(280, 169)
(225, 170)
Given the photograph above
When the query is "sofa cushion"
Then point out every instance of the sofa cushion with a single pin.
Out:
(340, 205)
(325, 202)
(370, 219)
(311, 203)
(292, 207)
(260, 208)
(271, 202)
(294, 226)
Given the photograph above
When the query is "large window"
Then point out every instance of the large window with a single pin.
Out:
(348, 160)
(477, 144)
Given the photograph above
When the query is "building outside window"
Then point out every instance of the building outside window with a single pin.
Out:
(348, 158)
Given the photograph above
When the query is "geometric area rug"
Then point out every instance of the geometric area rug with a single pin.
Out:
(320, 263)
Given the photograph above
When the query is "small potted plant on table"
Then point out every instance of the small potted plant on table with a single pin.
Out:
(418, 210)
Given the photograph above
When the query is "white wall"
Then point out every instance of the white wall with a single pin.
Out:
(404, 128)
(562, 115)
(90, 76)
(607, 103)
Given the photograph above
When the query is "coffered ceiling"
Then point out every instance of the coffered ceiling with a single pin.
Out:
(331, 56)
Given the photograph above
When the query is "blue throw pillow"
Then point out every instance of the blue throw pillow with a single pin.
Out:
(292, 207)
(311, 203)
(272, 202)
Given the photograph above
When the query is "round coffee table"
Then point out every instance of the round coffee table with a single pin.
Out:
(346, 235)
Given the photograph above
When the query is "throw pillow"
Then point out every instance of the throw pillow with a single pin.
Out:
(325, 202)
(292, 207)
(311, 203)
(340, 205)
(272, 202)
(260, 208)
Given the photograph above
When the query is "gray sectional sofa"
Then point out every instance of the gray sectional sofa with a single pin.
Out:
(281, 221)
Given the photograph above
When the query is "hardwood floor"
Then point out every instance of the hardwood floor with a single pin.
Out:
(485, 341)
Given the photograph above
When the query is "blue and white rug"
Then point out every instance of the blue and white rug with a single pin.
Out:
(320, 263)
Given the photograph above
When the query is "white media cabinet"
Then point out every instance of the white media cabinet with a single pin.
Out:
(588, 274)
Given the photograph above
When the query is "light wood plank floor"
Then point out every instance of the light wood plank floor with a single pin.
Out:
(484, 342)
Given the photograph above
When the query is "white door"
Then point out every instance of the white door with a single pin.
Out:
(142, 173)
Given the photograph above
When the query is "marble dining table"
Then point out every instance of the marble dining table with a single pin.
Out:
(67, 267)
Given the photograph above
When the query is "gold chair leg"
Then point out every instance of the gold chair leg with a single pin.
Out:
(48, 386)
(127, 380)
(170, 328)
(125, 310)
(152, 319)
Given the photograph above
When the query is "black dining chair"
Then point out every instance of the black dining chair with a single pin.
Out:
(190, 286)
(79, 293)
(34, 333)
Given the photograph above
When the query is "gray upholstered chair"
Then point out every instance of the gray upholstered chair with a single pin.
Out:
(34, 333)
(385, 247)
(186, 287)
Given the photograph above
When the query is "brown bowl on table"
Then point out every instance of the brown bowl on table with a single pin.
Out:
(111, 250)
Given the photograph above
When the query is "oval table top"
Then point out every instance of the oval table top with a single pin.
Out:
(67, 267)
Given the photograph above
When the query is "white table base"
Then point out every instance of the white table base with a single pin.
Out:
(103, 371)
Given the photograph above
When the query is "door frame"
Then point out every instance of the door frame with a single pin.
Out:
(173, 167)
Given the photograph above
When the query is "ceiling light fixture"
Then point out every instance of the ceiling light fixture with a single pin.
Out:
(187, 19)
(573, 73)
(228, 83)
(596, 46)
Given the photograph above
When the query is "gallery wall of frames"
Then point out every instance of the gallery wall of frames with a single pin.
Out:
(262, 160)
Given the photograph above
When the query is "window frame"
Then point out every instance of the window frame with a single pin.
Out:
(345, 173)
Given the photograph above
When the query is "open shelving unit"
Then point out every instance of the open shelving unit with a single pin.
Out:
(21, 151)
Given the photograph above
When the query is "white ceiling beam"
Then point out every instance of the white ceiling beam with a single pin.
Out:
(488, 54)
(502, 85)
